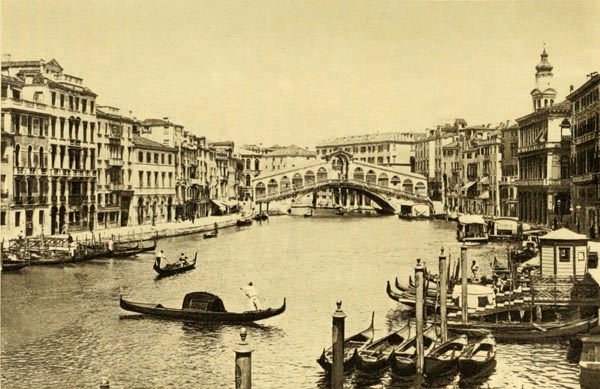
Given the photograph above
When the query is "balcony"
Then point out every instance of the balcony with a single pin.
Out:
(54, 199)
(31, 199)
(19, 170)
(18, 200)
(4, 194)
(75, 143)
(115, 162)
(43, 199)
(585, 138)
(44, 171)
(63, 198)
(582, 179)
(559, 183)
(116, 186)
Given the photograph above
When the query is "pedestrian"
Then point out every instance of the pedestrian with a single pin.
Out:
(69, 239)
(72, 248)
(20, 237)
(252, 294)
(110, 245)
(474, 269)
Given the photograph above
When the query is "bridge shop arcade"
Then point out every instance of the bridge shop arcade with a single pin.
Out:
(339, 180)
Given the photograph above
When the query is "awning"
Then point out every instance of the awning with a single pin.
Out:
(485, 195)
(471, 219)
(219, 203)
(468, 185)
(485, 181)
(407, 203)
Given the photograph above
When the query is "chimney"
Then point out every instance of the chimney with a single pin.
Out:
(571, 88)
(6, 57)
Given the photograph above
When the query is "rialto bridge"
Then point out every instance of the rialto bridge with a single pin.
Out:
(350, 181)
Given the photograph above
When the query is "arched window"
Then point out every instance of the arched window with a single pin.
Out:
(309, 177)
(359, 174)
(285, 183)
(371, 177)
(248, 163)
(545, 102)
(260, 190)
(382, 180)
(248, 179)
(272, 188)
(297, 181)
(321, 174)
(407, 186)
(256, 164)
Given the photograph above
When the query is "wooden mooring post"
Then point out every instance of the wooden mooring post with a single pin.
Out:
(464, 272)
(419, 313)
(443, 285)
(243, 363)
(337, 338)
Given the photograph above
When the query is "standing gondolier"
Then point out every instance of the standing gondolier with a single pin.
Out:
(252, 294)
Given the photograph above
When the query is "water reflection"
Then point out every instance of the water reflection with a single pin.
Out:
(62, 327)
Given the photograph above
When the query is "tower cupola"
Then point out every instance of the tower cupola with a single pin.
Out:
(543, 95)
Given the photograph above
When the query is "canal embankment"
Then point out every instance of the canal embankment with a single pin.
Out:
(160, 230)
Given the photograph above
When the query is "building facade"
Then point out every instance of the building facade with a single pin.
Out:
(585, 122)
(510, 171)
(544, 153)
(51, 119)
(394, 149)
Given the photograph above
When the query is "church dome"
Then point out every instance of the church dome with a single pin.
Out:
(544, 65)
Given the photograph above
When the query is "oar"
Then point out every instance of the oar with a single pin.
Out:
(539, 327)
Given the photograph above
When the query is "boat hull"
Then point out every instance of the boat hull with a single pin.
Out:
(435, 367)
(165, 272)
(193, 315)
(470, 368)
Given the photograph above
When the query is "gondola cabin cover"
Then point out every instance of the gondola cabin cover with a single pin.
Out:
(563, 254)
(203, 301)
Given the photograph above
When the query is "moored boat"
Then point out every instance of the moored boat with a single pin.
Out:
(355, 342)
(12, 265)
(261, 216)
(444, 359)
(518, 332)
(404, 359)
(209, 235)
(244, 222)
(179, 267)
(378, 354)
(128, 251)
(201, 307)
(478, 358)
(471, 228)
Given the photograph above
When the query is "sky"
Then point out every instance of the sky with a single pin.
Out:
(299, 72)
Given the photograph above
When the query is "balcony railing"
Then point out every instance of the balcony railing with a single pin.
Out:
(115, 162)
(43, 199)
(116, 186)
(585, 138)
(18, 200)
(75, 199)
(31, 199)
(75, 143)
(19, 170)
(556, 182)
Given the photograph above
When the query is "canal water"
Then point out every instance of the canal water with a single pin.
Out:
(62, 327)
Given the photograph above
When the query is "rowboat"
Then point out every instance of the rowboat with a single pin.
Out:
(201, 307)
(244, 222)
(444, 358)
(261, 216)
(209, 235)
(355, 342)
(404, 360)
(478, 358)
(175, 268)
(524, 331)
(378, 354)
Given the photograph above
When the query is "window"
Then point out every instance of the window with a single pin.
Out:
(84, 105)
(148, 158)
(141, 179)
(17, 219)
(41, 219)
(70, 102)
(156, 158)
(3, 218)
(92, 129)
(564, 254)
(169, 160)
(91, 107)
(162, 159)
(140, 156)
(62, 101)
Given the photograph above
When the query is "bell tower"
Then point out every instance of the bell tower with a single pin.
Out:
(543, 95)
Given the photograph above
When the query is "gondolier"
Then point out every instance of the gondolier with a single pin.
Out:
(252, 294)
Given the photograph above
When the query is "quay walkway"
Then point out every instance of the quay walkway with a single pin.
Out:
(160, 230)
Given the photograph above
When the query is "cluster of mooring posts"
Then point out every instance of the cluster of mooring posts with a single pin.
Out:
(337, 371)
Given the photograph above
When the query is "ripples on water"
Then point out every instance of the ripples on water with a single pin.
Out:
(63, 328)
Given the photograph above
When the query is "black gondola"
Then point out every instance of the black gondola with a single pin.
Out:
(478, 358)
(444, 358)
(122, 251)
(179, 267)
(201, 307)
(379, 354)
(244, 222)
(11, 265)
(261, 216)
(404, 361)
(355, 342)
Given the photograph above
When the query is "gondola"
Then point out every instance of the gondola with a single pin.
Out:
(444, 359)
(379, 354)
(122, 252)
(404, 360)
(431, 292)
(519, 332)
(12, 265)
(57, 259)
(355, 342)
(201, 307)
(174, 269)
(478, 358)
(409, 299)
